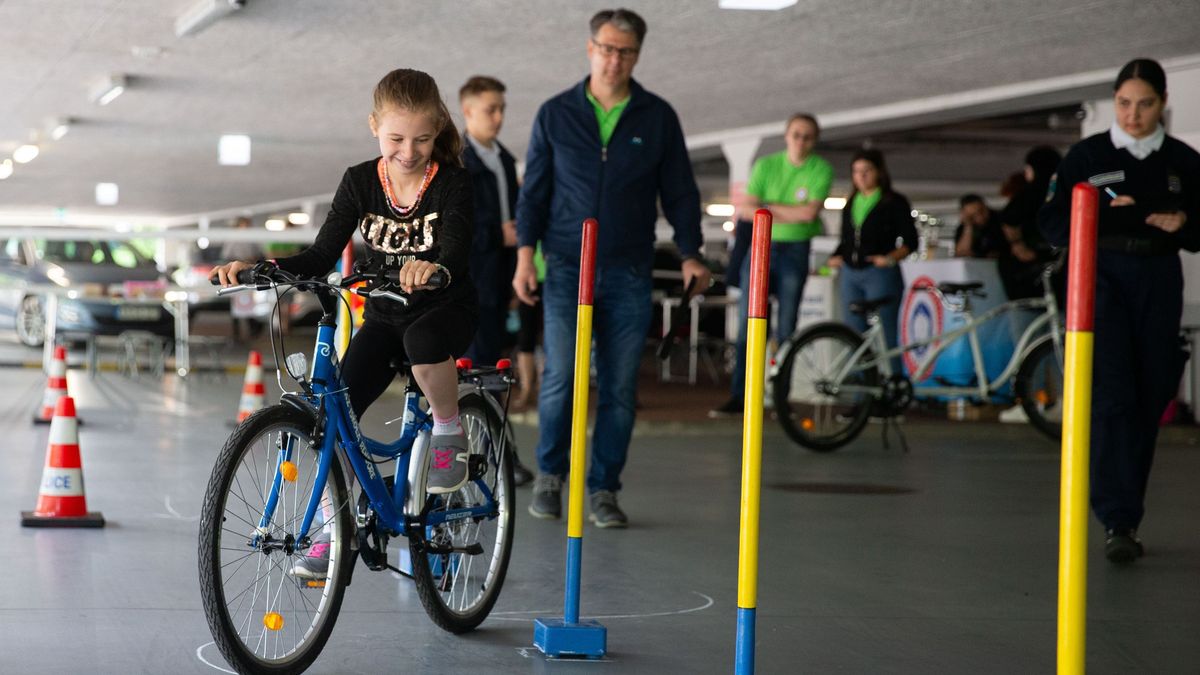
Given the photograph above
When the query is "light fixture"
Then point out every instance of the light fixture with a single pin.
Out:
(58, 127)
(6, 169)
(728, 226)
(276, 225)
(108, 88)
(203, 14)
(202, 242)
(107, 194)
(299, 218)
(835, 203)
(25, 153)
(755, 4)
(233, 150)
(719, 210)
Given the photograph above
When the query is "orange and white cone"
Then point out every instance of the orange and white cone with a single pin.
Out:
(61, 501)
(253, 396)
(56, 387)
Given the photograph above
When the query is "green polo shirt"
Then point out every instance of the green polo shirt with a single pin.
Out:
(775, 180)
(607, 119)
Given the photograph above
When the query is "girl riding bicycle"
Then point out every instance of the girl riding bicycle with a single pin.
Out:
(412, 206)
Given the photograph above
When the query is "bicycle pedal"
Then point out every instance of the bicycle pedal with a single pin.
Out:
(476, 467)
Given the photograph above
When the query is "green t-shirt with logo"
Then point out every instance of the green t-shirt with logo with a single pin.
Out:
(607, 119)
(775, 180)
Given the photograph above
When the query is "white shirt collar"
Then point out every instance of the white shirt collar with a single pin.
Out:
(1138, 147)
(481, 149)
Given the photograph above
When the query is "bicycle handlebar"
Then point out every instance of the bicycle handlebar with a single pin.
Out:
(380, 283)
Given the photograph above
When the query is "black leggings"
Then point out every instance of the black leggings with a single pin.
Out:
(436, 335)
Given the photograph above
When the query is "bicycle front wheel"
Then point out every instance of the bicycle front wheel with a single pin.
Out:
(271, 604)
(1039, 386)
(816, 409)
(459, 565)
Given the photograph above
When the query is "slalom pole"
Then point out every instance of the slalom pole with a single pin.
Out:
(570, 636)
(1076, 437)
(345, 320)
(756, 350)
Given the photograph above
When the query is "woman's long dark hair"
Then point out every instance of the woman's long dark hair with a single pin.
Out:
(1147, 70)
(875, 157)
(407, 89)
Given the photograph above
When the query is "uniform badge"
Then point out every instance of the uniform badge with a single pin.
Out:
(1174, 185)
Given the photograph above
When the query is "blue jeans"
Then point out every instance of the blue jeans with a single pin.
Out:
(872, 283)
(621, 313)
(788, 272)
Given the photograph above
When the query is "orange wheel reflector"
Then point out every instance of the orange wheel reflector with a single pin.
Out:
(1042, 397)
(807, 424)
(289, 471)
(312, 583)
(273, 621)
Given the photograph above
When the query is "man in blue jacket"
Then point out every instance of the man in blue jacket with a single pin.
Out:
(607, 149)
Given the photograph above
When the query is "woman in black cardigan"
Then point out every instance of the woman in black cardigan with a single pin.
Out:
(877, 233)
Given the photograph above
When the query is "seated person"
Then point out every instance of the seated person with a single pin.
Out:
(979, 234)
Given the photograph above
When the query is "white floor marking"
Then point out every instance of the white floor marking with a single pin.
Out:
(208, 663)
(708, 602)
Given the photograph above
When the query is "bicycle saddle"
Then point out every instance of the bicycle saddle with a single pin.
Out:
(950, 288)
(867, 306)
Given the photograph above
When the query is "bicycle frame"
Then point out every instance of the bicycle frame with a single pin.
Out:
(340, 426)
(874, 339)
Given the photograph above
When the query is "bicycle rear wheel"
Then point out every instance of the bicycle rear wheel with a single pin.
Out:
(814, 410)
(265, 618)
(460, 579)
(1039, 386)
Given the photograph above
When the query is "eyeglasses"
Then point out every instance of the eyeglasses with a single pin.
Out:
(610, 50)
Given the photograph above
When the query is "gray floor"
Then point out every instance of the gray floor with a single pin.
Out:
(943, 561)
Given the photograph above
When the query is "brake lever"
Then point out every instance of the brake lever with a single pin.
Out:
(389, 295)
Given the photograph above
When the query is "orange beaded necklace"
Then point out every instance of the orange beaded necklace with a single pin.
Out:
(431, 169)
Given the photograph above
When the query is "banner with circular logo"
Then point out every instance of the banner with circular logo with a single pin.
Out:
(920, 319)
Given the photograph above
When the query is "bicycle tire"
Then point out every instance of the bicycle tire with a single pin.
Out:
(453, 595)
(1039, 387)
(821, 422)
(244, 578)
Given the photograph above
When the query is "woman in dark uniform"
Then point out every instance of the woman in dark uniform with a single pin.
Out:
(1149, 186)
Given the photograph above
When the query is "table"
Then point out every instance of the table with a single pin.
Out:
(923, 317)
(695, 306)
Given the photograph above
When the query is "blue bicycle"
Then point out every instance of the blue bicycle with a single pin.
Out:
(298, 476)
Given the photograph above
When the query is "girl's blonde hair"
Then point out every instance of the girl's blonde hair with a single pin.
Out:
(413, 90)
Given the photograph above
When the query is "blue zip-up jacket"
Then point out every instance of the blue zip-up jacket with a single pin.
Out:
(570, 176)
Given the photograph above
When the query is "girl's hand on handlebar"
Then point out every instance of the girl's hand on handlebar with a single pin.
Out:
(226, 275)
(415, 274)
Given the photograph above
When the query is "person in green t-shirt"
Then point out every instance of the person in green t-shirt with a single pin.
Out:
(793, 185)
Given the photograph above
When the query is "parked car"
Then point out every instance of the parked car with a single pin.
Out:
(109, 287)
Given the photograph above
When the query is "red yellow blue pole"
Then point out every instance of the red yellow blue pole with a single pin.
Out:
(570, 636)
(345, 320)
(1076, 439)
(756, 363)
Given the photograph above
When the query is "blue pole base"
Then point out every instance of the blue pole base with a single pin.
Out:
(744, 648)
(557, 638)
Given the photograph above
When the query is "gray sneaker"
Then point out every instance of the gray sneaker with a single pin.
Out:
(605, 512)
(447, 464)
(547, 497)
(314, 565)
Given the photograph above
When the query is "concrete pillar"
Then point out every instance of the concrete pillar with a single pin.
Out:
(739, 155)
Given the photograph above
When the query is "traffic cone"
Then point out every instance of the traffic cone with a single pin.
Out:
(252, 389)
(56, 386)
(61, 502)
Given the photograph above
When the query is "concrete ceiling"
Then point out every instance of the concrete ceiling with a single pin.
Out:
(297, 76)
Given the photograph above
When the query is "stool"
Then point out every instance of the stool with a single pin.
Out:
(89, 341)
(133, 343)
(211, 347)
